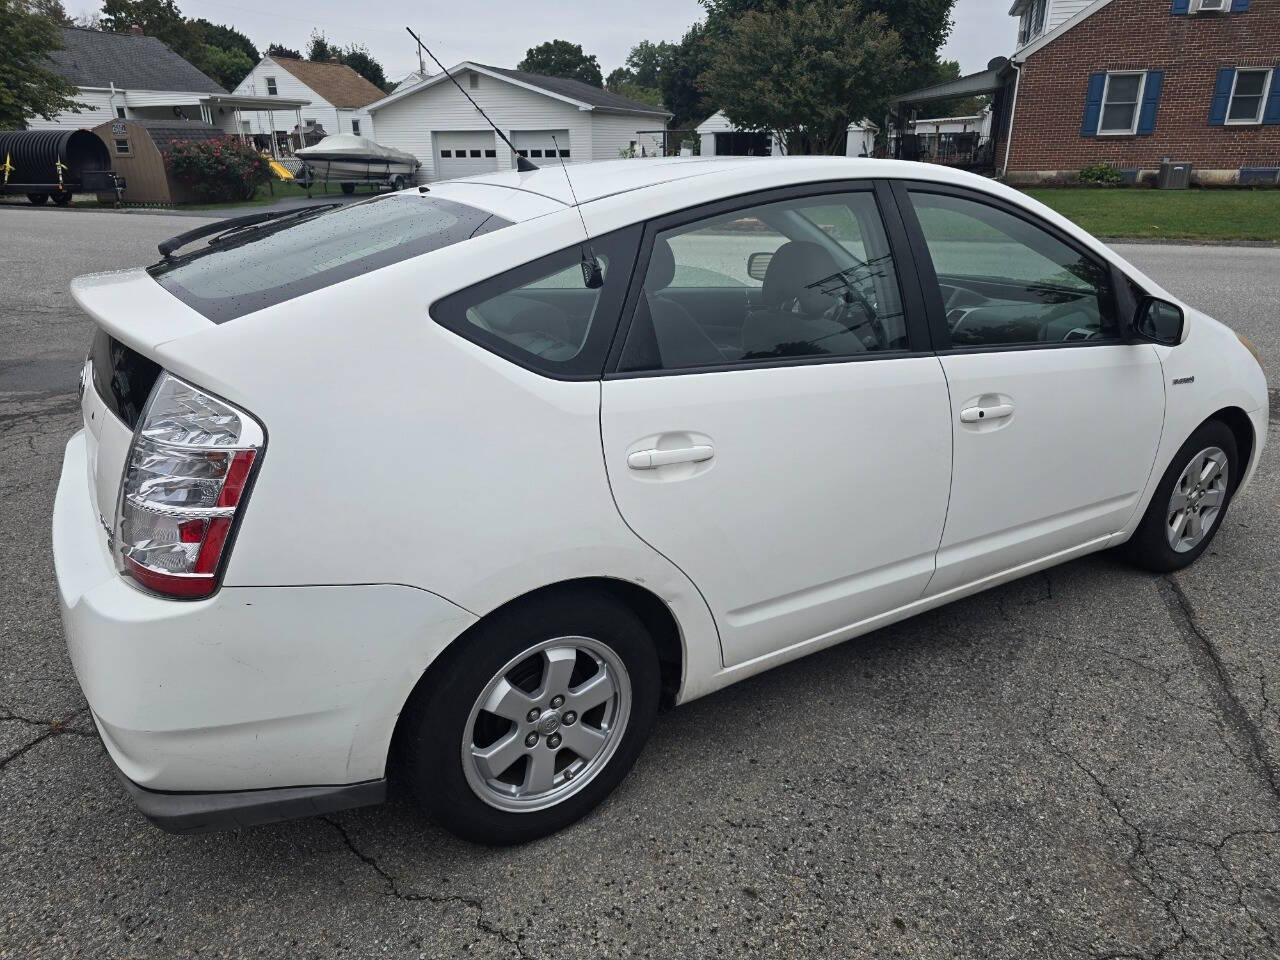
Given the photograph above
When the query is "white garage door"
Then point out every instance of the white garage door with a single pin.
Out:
(464, 153)
(538, 144)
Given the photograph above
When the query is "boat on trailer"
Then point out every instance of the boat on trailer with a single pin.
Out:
(349, 160)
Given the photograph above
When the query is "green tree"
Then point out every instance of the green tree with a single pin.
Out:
(27, 86)
(156, 18)
(52, 10)
(560, 58)
(280, 50)
(922, 27)
(816, 65)
(357, 57)
(321, 49)
(226, 38)
(647, 62)
(228, 67)
(681, 81)
(354, 55)
(226, 54)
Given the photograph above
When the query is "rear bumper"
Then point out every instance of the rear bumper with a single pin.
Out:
(253, 689)
(206, 812)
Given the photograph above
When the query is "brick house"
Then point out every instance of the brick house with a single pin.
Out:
(1130, 82)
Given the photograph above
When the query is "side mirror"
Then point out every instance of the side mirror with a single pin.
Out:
(1159, 321)
(758, 265)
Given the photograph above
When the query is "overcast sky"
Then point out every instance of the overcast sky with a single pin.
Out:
(499, 31)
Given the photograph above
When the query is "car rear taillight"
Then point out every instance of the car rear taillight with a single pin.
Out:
(185, 479)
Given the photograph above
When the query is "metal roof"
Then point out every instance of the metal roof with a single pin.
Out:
(577, 90)
(971, 85)
(580, 94)
(94, 58)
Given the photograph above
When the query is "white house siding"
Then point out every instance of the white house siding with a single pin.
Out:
(1062, 10)
(407, 124)
(334, 119)
(99, 109)
(611, 133)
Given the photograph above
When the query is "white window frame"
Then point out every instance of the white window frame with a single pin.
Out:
(1137, 107)
(355, 126)
(272, 88)
(1262, 100)
(1224, 6)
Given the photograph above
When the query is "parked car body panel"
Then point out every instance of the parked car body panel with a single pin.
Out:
(414, 482)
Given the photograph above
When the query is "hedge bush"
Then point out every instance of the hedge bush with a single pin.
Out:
(1101, 173)
(218, 170)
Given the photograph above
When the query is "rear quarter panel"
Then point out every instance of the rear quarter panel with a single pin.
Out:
(399, 452)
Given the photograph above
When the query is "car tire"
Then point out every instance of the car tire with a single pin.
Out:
(39, 199)
(397, 183)
(348, 188)
(61, 197)
(1164, 539)
(458, 755)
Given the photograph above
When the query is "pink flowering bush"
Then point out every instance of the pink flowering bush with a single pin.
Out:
(218, 170)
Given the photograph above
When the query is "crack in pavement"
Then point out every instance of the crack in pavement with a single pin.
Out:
(1221, 687)
(54, 728)
(393, 888)
(1137, 852)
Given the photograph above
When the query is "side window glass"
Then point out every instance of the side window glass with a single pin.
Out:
(1006, 281)
(809, 277)
(542, 315)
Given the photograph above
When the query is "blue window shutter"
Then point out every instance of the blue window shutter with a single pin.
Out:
(1150, 102)
(1271, 114)
(1239, 6)
(1093, 105)
(1181, 6)
(1221, 96)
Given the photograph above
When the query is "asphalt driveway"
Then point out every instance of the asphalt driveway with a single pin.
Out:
(1079, 764)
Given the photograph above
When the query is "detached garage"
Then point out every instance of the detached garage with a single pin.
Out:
(464, 153)
(546, 118)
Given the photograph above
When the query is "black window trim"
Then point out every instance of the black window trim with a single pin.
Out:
(909, 290)
(929, 285)
(603, 330)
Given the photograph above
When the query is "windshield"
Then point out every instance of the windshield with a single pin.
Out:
(273, 263)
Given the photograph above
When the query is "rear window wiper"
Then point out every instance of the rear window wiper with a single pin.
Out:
(235, 225)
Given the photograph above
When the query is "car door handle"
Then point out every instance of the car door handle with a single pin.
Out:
(652, 459)
(996, 411)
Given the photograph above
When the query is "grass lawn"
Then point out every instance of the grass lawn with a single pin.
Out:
(265, 197)
(1222, 215)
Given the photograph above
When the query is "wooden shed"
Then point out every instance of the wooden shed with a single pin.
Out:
(137, 155)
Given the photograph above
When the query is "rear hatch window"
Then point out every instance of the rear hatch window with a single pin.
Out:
(247, 270)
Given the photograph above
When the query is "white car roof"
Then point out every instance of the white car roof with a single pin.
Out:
(594, 181)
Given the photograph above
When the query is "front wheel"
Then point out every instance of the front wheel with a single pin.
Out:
(533, 719)
(348, 188)
(1188, 506)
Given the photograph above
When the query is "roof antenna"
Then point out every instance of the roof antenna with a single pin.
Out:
(592, 275)
(523, 164)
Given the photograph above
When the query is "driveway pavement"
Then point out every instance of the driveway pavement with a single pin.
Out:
(1085, 763)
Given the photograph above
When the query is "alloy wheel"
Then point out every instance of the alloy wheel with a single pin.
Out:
(1197, 499)
(546, 724)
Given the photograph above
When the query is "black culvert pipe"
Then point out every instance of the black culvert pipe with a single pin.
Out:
(35, 154)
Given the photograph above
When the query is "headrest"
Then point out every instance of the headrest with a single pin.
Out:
(795, 265)
(662, 267)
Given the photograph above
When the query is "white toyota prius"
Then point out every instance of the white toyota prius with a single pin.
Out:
(468, 480)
